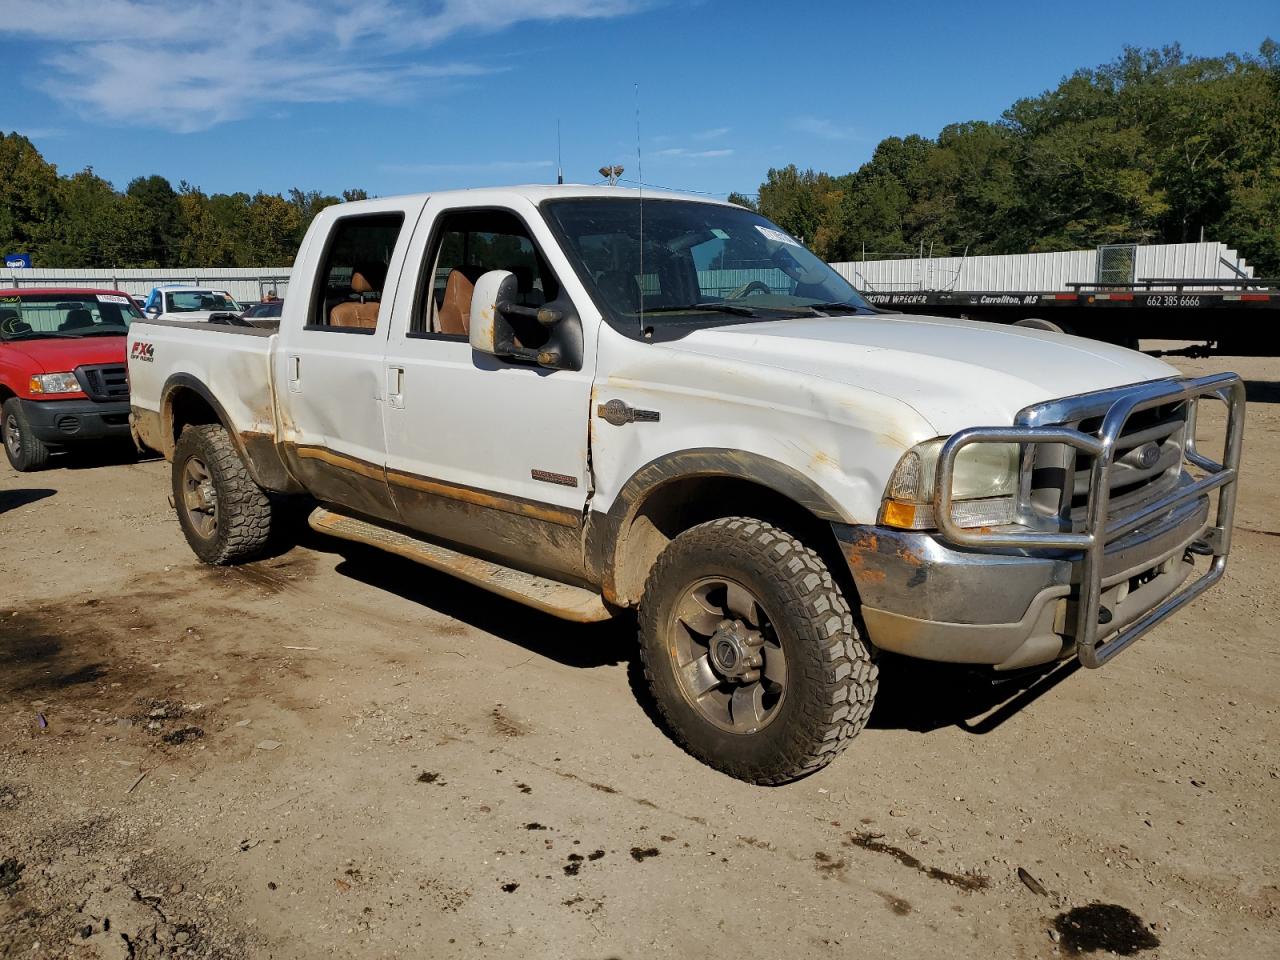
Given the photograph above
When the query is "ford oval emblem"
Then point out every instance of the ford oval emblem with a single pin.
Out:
(1147, 455)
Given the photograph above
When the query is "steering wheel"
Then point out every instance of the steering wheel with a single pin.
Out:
(749, 288)
(10, 325)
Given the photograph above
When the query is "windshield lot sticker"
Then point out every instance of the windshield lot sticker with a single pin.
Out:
(112, 298)
(777, 236)
(10, 299)
(146, 352)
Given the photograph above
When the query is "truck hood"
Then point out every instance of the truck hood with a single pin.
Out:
(62, 354)
(953, 373)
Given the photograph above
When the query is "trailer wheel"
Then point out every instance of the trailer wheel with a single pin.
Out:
(1035, 323)
(751, 652)
(225, 516)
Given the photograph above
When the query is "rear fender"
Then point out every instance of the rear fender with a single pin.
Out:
(259, 451)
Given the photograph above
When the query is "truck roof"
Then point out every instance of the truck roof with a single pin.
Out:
(537, 192)
(56, 291)
(189, 287)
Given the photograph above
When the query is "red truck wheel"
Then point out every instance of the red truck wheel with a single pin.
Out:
(24, 449)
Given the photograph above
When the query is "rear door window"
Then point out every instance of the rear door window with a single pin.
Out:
(354, 272)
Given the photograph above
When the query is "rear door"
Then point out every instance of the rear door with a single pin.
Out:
(329, 365)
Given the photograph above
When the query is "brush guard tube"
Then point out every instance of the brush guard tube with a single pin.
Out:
(1095, 644)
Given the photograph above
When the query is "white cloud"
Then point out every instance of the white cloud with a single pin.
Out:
(191, 65)
(823, 128)
(715, 133)
(688, 154)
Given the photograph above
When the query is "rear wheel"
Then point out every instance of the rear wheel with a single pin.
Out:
(225, 516)
(24, 449)
(751, 652)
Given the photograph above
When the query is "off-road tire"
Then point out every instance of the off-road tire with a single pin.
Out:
(243, 522)
(831, 678)
(32, 453)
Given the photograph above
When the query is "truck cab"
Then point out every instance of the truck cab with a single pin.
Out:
(589, 399)
(189, 303)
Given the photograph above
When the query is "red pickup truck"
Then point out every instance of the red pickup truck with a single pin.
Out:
(62, 370)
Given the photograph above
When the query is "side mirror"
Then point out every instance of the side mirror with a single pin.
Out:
(491, 289)
(152, 312)
(549, 336)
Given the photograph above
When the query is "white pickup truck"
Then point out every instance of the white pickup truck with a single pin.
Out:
(588, 400)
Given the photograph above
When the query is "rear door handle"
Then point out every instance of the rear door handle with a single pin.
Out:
(395, 387)
(295, 373)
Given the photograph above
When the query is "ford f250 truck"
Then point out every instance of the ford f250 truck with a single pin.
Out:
(586, 399)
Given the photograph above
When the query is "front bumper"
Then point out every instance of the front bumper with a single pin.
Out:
(60, 422)
(1022, 595)
(924, 598)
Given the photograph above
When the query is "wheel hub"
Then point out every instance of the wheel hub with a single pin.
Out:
(735, 651)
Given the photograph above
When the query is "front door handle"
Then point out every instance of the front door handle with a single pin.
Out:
(395, 387)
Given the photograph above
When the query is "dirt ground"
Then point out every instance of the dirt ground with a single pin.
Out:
(334, 752)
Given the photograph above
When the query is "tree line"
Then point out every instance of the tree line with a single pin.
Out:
(1154, 147)
(82, 221)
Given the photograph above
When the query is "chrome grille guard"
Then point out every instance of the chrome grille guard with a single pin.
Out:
(1100, 529)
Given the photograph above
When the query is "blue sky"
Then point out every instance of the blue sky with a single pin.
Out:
(402, 95)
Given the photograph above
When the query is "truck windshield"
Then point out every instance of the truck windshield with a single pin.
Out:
(700, 264)
(31, 316)
(192, 301)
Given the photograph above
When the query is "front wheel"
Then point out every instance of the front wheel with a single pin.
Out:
(225, 516)
(26, 451)
(751, 652)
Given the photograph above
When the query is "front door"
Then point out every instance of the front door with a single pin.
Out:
(482, 452)
(329, 369)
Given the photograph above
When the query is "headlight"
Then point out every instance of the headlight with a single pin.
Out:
(984, 486)
(54, 383)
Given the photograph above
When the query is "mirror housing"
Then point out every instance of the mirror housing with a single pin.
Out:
(549, 336)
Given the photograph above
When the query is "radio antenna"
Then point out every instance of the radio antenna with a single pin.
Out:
(644, 332)
(559, 165)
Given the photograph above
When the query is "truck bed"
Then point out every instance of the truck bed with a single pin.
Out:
(231, 365)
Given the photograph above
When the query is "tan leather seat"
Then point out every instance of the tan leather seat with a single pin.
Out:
(455, 311)
(362, 313)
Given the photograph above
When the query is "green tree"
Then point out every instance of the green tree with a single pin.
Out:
(28, 197)
(92, 226)
(272, 227)
(153, 204)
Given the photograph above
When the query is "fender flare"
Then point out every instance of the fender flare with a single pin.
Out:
(270, 475)
(606, 532)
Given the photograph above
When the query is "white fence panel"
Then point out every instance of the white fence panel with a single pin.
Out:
(246, 284)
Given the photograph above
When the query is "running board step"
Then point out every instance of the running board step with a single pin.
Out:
(549, 596)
